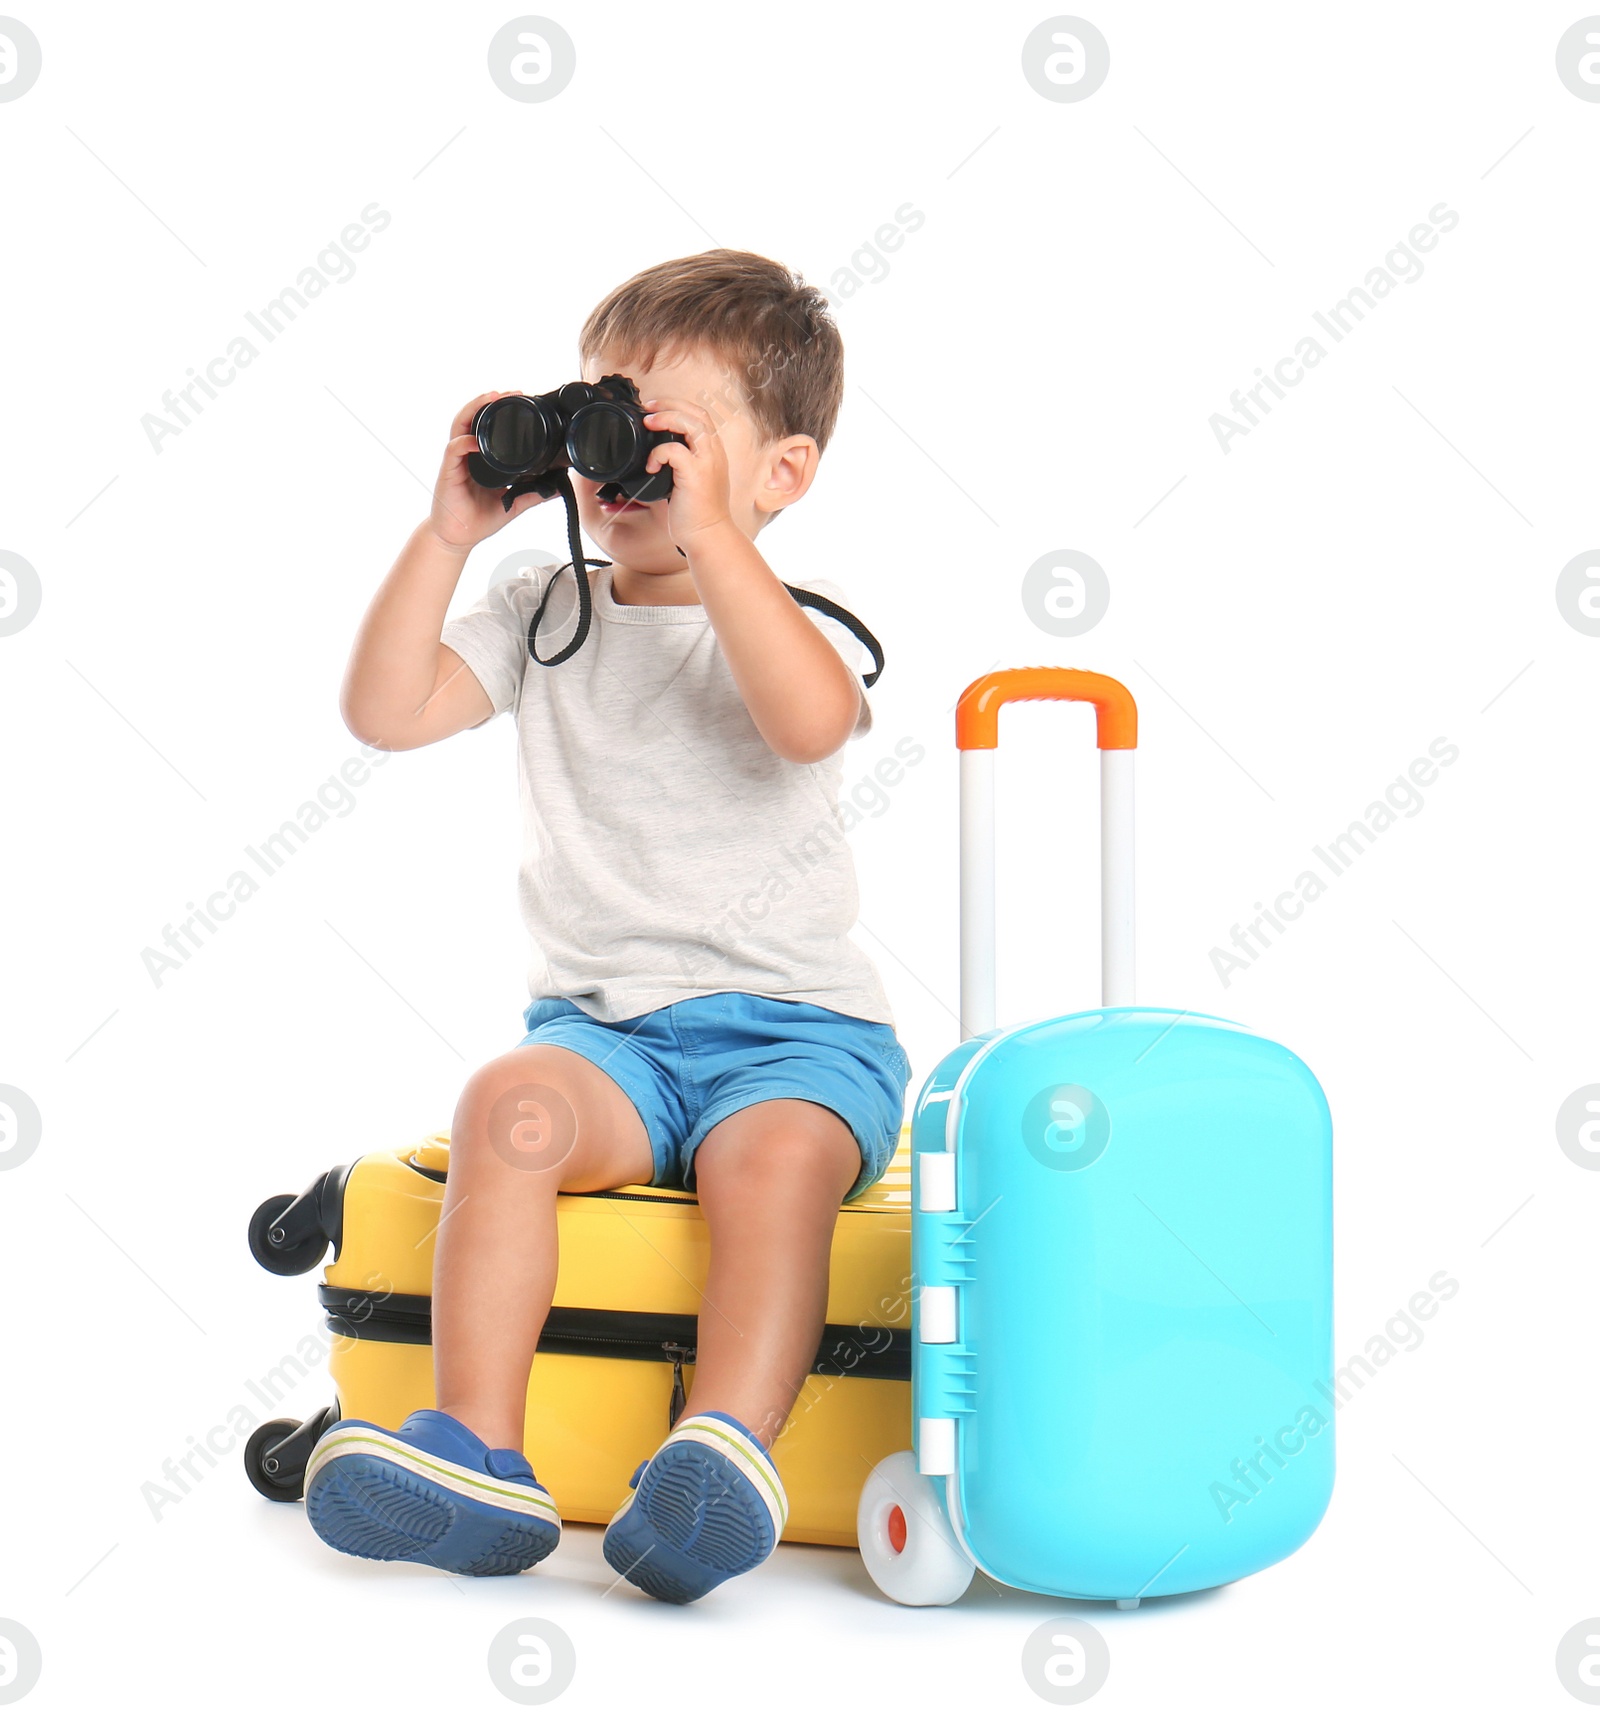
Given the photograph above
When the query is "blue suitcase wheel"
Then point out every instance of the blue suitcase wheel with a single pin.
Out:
(905, 1536)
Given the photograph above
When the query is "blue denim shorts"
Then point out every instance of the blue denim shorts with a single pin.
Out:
(689, 1066)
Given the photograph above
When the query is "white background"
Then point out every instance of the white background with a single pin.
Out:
(1371, 568)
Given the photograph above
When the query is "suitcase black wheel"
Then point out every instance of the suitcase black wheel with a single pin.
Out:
(282, 1258)
(289, 1234)
(274, 1488)
(275, 1456)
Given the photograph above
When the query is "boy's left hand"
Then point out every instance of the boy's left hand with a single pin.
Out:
(699, 500)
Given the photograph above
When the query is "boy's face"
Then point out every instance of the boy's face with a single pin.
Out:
(763, 475)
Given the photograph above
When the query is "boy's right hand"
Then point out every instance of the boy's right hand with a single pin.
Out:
(464, 512)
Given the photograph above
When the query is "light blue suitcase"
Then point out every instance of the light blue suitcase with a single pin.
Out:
(1122, 1257)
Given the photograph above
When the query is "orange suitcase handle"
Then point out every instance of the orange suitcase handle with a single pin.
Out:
(977, 736)
(978, 711)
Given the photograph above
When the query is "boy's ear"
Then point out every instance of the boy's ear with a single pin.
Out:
(790, 466)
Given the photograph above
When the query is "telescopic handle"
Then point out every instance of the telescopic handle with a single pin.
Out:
(977, 736)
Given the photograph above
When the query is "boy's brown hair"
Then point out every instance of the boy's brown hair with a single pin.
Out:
(761, 319)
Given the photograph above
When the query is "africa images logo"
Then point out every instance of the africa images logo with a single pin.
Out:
(1401, 266)
(1066, 1127)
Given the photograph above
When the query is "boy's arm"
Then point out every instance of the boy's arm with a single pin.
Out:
(800, 693)
(403, 688)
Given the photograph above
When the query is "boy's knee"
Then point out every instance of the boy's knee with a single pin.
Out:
(803, 1149)
(516, 1109)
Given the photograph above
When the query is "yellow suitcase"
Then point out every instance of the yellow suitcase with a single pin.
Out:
(612, 1361)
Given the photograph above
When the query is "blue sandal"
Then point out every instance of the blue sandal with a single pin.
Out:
(707, 1506)
(428, 1492)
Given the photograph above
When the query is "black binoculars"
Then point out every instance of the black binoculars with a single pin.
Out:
(597, 429)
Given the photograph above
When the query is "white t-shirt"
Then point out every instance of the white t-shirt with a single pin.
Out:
(668, 851)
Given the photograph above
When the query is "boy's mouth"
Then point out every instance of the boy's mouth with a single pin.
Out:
(622, 506)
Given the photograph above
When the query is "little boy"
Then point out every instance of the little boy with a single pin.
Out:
(699, 1016)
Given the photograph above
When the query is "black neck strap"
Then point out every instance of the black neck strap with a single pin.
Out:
(580, 565)
(838, 613)
(549, 484)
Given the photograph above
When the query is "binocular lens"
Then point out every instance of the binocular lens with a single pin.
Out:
(603, 442)
(518, 434)
(597, 429)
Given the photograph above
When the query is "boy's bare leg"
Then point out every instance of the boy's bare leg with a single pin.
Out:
(536, 1121)
(770, 1180)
